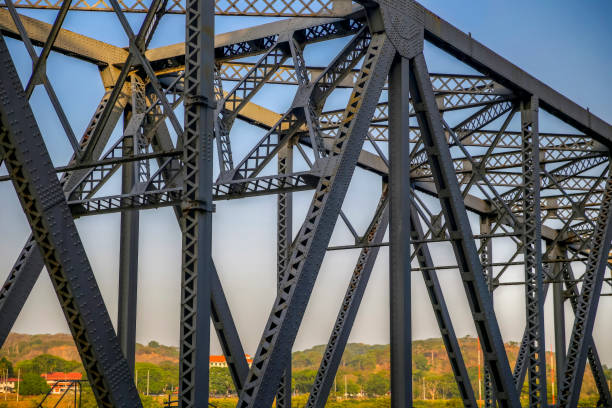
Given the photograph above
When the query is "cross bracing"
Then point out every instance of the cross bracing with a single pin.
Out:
(472, 143)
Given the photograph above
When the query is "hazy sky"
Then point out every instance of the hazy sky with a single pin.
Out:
(566, 44)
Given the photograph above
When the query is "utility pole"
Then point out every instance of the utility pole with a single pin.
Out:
(424, 389)
(552, 374)
(18, 381)
(479, 374)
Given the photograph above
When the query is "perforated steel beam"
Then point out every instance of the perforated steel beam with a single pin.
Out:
(601, 382)
(221, 315)
(332, 356)
(29, 264)
(445, 324)
(270, 8)
(197, 204)
(43, 201)
(587, 303)
(532, 252)
(486, 257)
(284, 236)
(447, 186)
(312, 240)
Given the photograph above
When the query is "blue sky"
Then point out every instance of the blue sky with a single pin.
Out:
(566, 44)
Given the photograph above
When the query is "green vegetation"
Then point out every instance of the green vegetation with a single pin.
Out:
(6, 367)
(161, 378)
(364, 372)
(33, 384)
(46, 363)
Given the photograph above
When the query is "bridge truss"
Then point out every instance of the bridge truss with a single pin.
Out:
(448, 148)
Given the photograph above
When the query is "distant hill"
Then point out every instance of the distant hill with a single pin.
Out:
(431, 369)
(358, 356)
(19, 347)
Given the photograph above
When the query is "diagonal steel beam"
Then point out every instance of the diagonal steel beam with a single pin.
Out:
(332, 356)
(44, 204)
(311, 242)
(41, 61)
(221, 315)
(29, 264)
(18, 286)
(436, 297)
(586, 307)
(295, 117)
(42, 76)
(105, 117)
(438, 155)
(605, 400)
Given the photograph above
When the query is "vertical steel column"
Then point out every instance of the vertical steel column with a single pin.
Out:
(453, 207)
(399, 234)
(128, 259)
(221, 315)
(486, 258)
(559, 314)
(532, 250)
(284, 238)
(199, 104)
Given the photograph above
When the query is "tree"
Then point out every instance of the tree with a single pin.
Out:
(303, 380)
(46, 363)
(377, 384)
(420, 361)
(353, 388)
(6, 365)
(160, 378)
(33, 384)
(220, 381)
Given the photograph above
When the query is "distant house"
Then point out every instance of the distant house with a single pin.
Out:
(219, 361)
(60, 382)
(10, 385)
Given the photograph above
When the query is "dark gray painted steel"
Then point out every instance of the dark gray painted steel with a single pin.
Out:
(445, 324)
(313, 237)
(332, 356)
(532, 253)
(586, 307)
(43, 202)
(399, 234)
(458, 225)
(197, 204)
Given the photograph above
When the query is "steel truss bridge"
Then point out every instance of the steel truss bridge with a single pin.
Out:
(469, 143)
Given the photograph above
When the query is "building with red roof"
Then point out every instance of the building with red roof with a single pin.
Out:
(8, 385)
(219, 361)
(61, 382)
